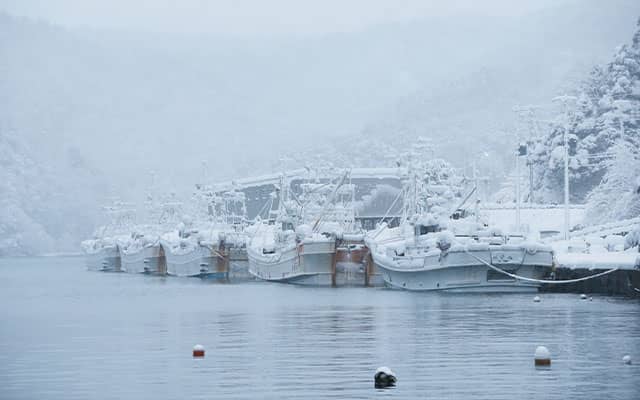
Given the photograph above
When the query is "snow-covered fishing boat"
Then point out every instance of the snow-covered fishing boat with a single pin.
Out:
(101, 255)
(102, 252)
(202, 249)
(188, 258)
(436, 248)
(422, 257)
(140, 254)
(282, 255)
(290, 247)
(140, 250)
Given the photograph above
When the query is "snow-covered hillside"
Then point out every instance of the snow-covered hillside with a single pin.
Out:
(603, 124)
(79, 104)
(44, 206)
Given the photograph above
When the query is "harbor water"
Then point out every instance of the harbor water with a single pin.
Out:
(67, 333)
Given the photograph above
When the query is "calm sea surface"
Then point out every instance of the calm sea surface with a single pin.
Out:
(66, 333)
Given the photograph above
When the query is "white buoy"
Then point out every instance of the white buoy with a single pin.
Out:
(384, 377)
(542, 357)
(626, 359)
(590, 298)
(198, 350)
(536, 299)
(583, 296)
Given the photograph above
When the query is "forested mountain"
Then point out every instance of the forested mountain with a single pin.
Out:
(45, 206)
(88, 113)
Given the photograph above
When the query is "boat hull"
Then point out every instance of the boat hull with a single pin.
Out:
(105, 259)
(461, 271)
(310, 264)
(147, 260)
(199, 262)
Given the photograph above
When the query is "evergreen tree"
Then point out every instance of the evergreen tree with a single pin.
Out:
(607, 112)
(617, 197)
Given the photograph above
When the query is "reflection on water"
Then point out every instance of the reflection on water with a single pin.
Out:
(66, 333)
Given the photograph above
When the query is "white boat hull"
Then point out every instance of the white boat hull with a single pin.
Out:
(104, 259)
(146, 260)
(310, 264)
(460, 271)
(199, 262)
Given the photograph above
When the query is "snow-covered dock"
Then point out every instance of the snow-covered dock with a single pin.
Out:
(624, 260)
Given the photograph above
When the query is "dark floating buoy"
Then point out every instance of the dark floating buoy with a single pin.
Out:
(542, 357)
(384, 378)
(198, 351)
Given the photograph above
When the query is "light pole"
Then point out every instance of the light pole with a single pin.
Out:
(476, 183)
(565, 104)
(527, 117)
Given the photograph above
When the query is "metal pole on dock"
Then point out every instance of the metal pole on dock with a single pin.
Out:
(566, 184)
(476, 207)
(518, 191)
(334, 260)
(565, 135)
(367, 268)
(222, 261)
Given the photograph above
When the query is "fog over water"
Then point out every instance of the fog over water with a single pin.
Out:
(95, 94)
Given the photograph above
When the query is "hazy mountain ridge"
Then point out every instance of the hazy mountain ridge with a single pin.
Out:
(45, 207)
(128, 102)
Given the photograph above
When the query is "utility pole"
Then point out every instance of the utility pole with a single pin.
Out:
(566, 125)
(517, 191)
(527, 116)
(476, 209)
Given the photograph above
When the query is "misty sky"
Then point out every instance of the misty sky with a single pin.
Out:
(257, 17)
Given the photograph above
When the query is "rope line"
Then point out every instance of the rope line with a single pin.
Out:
(386, 214)
(540, 280)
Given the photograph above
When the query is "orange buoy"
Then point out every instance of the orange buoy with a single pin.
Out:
(198, 351)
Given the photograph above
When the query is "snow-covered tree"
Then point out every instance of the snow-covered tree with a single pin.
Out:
(606, 112)
(632, 239)
(40, 209)
(617, 197)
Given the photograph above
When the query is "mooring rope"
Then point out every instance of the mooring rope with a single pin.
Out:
(391, 206)
(540, 280)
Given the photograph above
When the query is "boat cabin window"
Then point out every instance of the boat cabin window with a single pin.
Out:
(424, 229)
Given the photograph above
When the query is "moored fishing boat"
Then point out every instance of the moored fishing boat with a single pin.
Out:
(142, 255)
(437, 248)
(440, 260)
(101, 255)
(102, 252)
(300, 257)
(297, 244)
(202, 249)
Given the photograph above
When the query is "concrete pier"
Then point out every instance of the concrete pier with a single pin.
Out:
(621, 282)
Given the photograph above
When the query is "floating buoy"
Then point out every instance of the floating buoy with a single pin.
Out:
(198, 351)
(542, 356)
(583, 296)
(591, 298)
(626, 359)
(384, 377)
(536, 299)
